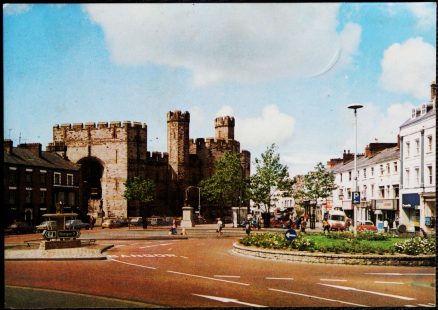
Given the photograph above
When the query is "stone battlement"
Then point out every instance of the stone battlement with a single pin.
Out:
(157, 156)
(100, 125)
(226, 121)
(178, 116)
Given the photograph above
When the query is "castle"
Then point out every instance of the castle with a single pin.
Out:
(109, 154)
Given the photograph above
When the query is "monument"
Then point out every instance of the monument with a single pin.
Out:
(60, 237)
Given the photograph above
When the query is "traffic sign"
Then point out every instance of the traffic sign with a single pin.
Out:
(49, 234)
(68, 233)
(356, 198)
(290, 234)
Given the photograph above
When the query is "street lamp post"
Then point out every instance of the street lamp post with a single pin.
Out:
(355, 107)
(199, 196)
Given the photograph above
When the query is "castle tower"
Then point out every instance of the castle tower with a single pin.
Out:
(224, 128)
(178, 143)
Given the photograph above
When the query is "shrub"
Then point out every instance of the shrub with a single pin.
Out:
(416, 246)
(371, 236)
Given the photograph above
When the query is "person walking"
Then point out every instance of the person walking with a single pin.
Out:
(326, 226)
(248, 228)
(385, 225)
(174, 225)
(303, 225)
(219, 227)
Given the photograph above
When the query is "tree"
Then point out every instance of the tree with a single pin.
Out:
(226, 187)
(317, 184)
(142, 190)
(270, 174)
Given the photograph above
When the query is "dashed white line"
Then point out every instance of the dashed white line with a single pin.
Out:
(149, 246)
(224, 276)
(184, 256)
(388, 282)
(202, 277)
(273, 278)
(400, 274)
(333, 280)
(347, 288)
(429, 306)
(141, 266)
(317, 297)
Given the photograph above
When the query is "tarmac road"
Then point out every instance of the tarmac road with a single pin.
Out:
(205, 273)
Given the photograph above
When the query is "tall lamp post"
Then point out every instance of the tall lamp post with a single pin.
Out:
(355, 107)
(199, 196)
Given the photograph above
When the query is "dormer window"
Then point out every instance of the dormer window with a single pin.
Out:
(423, 109)
(414, 112)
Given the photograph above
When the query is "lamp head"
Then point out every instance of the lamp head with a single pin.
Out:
(355, 106)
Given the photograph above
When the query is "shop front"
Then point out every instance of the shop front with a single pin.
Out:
(385, 209)
(411, 211)
(429, 210)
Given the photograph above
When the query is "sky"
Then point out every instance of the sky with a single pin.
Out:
(286, 72)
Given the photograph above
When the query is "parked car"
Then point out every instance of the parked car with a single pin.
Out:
(110, 223)
(123, 222)
(46, 225)
(366, 225)
(76, 224)
(135, 221)
(19, 228)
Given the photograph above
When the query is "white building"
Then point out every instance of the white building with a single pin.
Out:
(417, 167)
(377, 181)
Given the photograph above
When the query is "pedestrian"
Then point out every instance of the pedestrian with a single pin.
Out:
(385, 225)
(219, 227)
(248, 228)
(347, 225)
(92, 221)
(326, 226)
(259, 222)
(174, 225)
(303, 225)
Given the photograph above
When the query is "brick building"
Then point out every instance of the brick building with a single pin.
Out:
(34, 181)
(110, 153)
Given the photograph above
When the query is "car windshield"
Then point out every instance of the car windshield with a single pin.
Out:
(337, 217)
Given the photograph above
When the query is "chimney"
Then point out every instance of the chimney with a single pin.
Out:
(7, 146)
(398, 141)
(367, 151)
(35, 148)
(347, 156)
(433, 90)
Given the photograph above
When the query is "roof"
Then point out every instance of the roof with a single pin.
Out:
(25, 157)
(385, 155)
(430, 113)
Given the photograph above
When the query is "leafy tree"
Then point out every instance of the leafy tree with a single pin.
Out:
(318, 183)
(141, 190)
(270, 174)
(227, 186)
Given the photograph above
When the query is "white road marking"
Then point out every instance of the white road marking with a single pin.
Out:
(136, 265)
(184, 256)
(169, 249)
(142, 255)
(222, 276)
(333, 280)
(400, 274)
(118, 246)
(226, 300)
(346, 288)
(317, 297)
(387, 282)
(423, 305)
(410, 306)
(202, 277)
(149, 246)
(273, 278)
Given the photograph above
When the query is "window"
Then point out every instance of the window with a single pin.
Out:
(429, 174)
(28, 177)
(417, 146)
(365, 173)
(12, 197)
(387, 191)
(349, 193)
(43, 178)
(388, 169)
(372, 171)
(70, 179)
(57, 178)
(407, 177)
(13, 178)
(372, 190)
(381, 170)
(349, 176)
(395, 167)
(28, 196)
(417, 175)
(364, 192)
(396, 191)
(381, 191)
(43, 195)
(341, 176)
(408, 149)
(429, 144)
(71, 199)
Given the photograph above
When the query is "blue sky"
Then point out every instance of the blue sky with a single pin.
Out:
(286, 72)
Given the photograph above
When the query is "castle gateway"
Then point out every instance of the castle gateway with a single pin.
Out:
(110, 153)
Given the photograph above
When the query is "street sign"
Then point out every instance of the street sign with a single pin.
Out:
(49, 234)
(68, 233)
(290, 235)
(356, 198)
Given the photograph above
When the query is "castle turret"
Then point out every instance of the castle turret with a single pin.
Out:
(224, 128)
(178, 143)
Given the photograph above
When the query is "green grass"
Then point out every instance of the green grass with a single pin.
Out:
(321, 240)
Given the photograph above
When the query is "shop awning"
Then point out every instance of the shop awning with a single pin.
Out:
(410, 200)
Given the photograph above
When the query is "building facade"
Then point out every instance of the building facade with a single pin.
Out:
(36, 181)
(111, 153)
(418, 167)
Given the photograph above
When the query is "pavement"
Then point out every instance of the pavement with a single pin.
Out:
(96, 241)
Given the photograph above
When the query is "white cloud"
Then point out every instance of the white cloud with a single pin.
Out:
(225, 110)
(13, 9)
(425, 14)
(375, 124)
(272, 126)
(218, 42)
(409, 67)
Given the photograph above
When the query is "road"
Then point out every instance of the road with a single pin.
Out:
(205, 273)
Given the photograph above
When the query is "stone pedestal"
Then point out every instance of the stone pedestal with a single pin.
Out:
(187, 220)
(235, 211)
(58, 244)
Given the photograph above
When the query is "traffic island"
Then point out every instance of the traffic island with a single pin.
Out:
(347, 259)
(22, 252)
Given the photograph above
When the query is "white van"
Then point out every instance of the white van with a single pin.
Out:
(336, 220)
